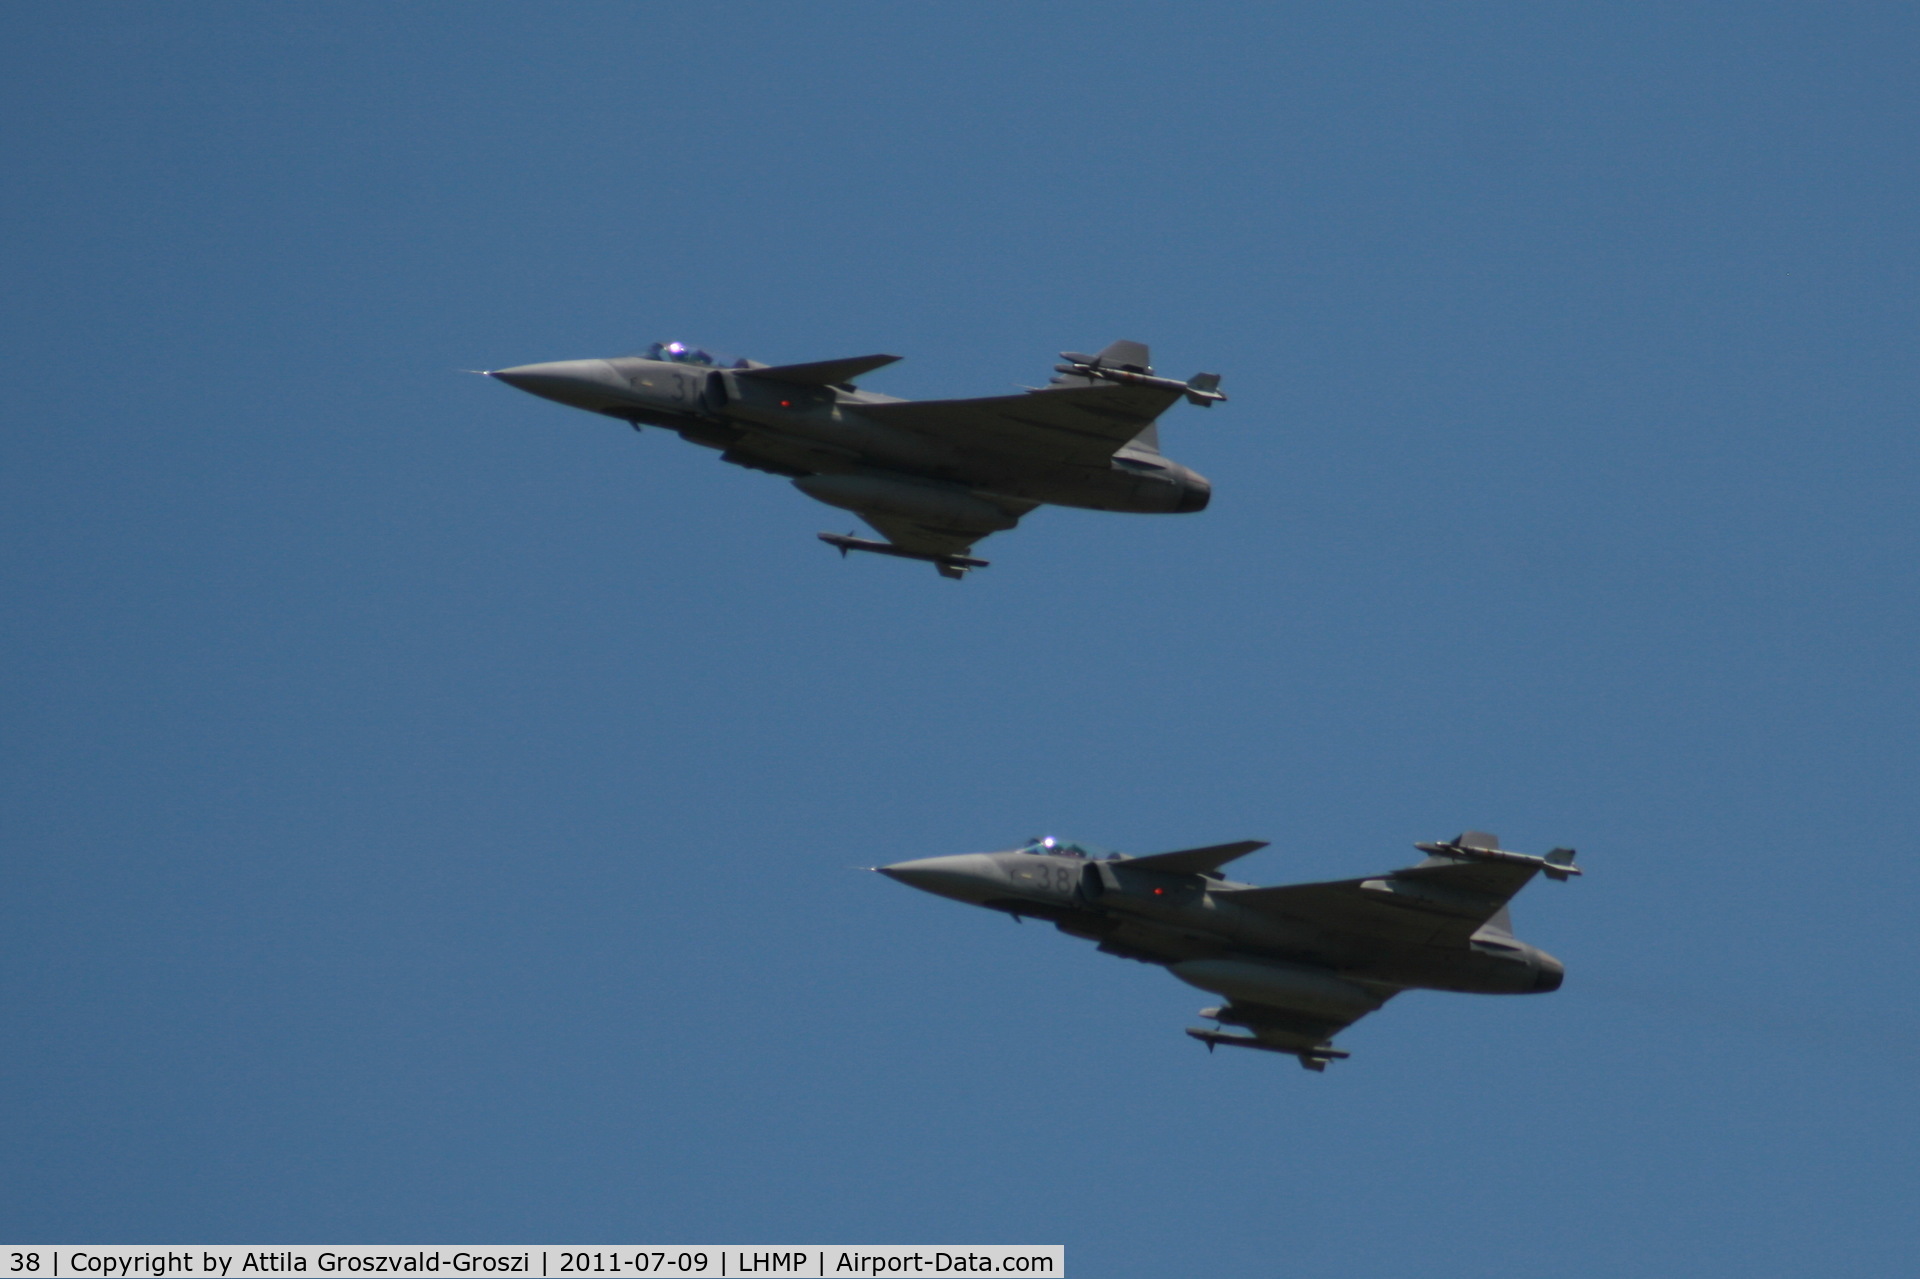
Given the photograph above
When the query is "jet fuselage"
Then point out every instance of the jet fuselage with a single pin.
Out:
(1172, 919)
(797, 430)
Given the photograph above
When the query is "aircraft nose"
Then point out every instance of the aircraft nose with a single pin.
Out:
(967, 877)
(585, 384)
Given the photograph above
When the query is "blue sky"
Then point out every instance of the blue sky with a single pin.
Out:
(429, 812)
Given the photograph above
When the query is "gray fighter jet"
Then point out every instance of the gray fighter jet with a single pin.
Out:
(932, 476)
(1297, 963)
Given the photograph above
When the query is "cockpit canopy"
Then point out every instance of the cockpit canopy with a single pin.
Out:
(1048, 846)
(681, 353)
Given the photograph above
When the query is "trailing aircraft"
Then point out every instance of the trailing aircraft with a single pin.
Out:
(1297, 963)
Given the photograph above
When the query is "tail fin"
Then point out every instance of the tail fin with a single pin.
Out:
(1132, 357)
(1126, 364)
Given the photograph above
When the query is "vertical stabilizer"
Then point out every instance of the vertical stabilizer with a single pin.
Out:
(1131, 357)
(1500, 922)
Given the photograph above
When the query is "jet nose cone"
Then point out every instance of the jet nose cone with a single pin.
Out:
(525, 377)
(584, 384)
(531, 377)
(968, 877)
(1548, 973)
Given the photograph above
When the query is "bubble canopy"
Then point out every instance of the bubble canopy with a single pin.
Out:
(682, 353)
(1048, 846)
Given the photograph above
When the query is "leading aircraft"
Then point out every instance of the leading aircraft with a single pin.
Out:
(1298, 963)
(931, 476)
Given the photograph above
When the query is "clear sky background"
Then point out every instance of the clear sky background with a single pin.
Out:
(429, 812)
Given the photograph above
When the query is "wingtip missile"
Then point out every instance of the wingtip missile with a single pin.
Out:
(1480, 846)
(1202, 390)
(1560, 865)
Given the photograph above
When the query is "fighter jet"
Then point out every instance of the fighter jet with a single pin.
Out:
(1297, 963)
(931, 476)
